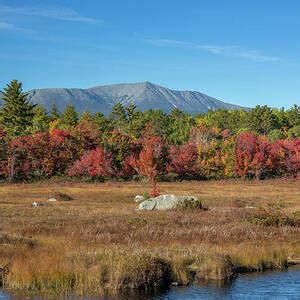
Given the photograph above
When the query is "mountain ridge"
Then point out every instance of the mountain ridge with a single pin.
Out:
(145, 95)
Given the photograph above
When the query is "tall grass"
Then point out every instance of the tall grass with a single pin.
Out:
(98, 244)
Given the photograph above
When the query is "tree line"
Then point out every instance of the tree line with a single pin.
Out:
(261, 142)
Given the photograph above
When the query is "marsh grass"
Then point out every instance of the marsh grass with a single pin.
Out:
(98, 244)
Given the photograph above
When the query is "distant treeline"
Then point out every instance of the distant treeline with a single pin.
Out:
(261, 142)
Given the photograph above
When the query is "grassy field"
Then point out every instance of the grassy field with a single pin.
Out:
(98, 243)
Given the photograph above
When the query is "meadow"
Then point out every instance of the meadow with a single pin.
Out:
(99, 244)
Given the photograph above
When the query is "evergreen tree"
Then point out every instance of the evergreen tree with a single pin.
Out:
(180, 125)
(262, 120)
(293, 116)
(101, 122)
(54, 113)
(86, 116)
(70, 116)
(40, 121)
(118, 117)
(135, 124)
(17, 112)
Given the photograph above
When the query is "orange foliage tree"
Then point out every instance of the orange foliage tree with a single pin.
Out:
(151, 160)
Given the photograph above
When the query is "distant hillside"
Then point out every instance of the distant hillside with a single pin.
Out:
(145, 95)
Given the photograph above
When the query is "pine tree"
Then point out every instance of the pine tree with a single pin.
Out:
(117, 117)
(40, 121)
(17, 112)
(70, 116)
(54, 113)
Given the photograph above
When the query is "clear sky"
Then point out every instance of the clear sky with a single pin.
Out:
(244, 52)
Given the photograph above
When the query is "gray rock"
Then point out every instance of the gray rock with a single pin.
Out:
(165, 202)
(52, 200)
(175, 283)
(139, 198)
(36, 204)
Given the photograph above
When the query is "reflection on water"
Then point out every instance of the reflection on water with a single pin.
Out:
(268, 285)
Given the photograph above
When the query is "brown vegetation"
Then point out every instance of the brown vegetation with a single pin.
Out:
(99, 244)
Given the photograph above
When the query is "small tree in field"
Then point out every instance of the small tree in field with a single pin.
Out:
(151, 160)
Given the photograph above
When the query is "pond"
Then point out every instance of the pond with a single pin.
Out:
(267, 285)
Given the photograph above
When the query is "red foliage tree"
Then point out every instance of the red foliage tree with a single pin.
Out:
(96, 163)
(183, 159)
(284, 157)
(3, 150)
(251, 155)
(151, 160)
(130, 165)
(39, 155)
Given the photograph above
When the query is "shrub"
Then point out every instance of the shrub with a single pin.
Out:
(95, 163)
(190, 205)
(269, 218)
(182, 159)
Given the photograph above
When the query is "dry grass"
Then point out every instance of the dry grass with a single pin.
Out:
(99, 244)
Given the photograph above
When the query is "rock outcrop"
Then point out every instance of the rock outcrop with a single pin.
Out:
(167, 202)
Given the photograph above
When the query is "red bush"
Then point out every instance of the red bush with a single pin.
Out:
(183, 159)
(251, 155)
(256, 156)
(97, 162)
(39, 155)
(284, 157)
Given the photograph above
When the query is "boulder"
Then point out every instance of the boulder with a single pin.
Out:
(166, 202)
(36, 204)
(52, 200)
(139, 198)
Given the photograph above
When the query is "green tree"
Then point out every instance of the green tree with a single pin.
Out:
(293, 116)
(276, 134)
(135, 124)
(70, 116)
(17, 111)
(118, 117)
(40, 121)
(180, 125)
(262, 120)
(54, 113)
(294, 132)
(101, 121)
(159, 122)
(86, 116)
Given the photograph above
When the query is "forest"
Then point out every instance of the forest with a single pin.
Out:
(35, 144)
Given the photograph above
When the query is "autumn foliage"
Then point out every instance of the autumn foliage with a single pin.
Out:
(83, 151)
(256, 156)
(95, 163)
(183, 159)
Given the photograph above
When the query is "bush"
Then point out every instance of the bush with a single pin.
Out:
(190, 205)
(269, 218)
(95, 163)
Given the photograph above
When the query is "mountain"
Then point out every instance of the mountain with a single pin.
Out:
(145, 95)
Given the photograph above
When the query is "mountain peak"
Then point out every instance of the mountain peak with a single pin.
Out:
(146, 95)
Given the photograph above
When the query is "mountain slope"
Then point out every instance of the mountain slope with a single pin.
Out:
(145, 95)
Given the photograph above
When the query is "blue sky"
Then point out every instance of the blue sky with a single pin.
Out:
(244, 52)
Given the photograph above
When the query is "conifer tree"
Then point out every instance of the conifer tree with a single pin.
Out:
(17, 112)
(54, 113)
(70, 116)
(40, 121)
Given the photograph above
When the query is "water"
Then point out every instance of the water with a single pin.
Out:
(268, 285)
